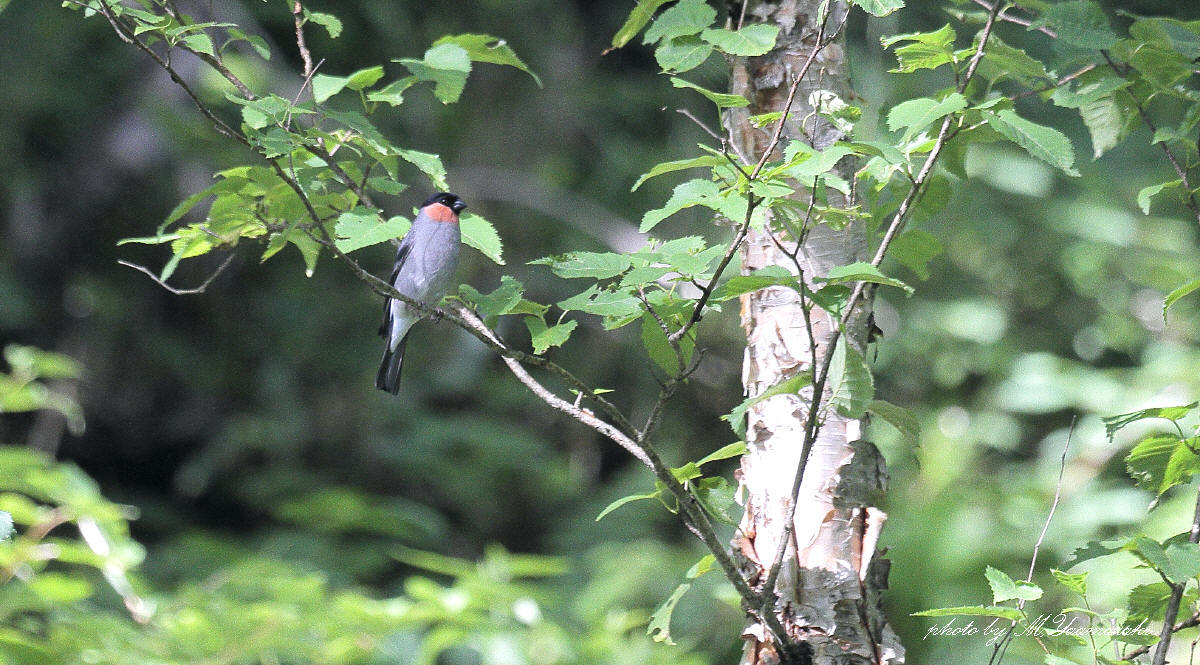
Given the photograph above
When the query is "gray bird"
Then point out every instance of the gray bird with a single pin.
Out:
(424, 271)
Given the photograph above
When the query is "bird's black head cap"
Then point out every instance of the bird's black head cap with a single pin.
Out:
(447, 199)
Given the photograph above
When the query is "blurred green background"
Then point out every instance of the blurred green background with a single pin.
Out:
(243, 425)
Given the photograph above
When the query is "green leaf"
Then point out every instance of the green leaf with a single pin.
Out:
(721, 99)
(502, 301)
(716, 496)
(1145, 195)
(200, 43)
(447, 66)
(330, 22)
(392, 93)
(257, 43)
(638, 18)
(704, 565)
(1113, 424)
(915, 249)
(1005, 588)
(1001, 61)
(363, 227)
(850, 382)
(681, 54)
(752, 40)
(685, 195)
(687, 17)
(878, 7)
(1076, 582)
(680, 165)
(428, 163)
(916, 115)
(479, 233)
(543, 337)
(735, 449)
(862, 271)
(904, 420)
(658, 347)
(489, 49)
(1174, 296)
(927, 50)
(1178, 562)
(597, 265)
(1079, 23)
(1044, 143)
(976, 610)
(789, 386)
(759, 279)
(594, 300)
(1162, 461)
(624, 500)
(660, 622)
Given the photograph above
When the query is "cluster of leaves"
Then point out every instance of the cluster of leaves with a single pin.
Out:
(324, 163)
(1157, 463)
(24, 388)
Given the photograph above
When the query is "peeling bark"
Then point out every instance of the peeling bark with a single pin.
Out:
(830, 581)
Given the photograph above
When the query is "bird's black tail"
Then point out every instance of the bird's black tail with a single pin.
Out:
(389, 368)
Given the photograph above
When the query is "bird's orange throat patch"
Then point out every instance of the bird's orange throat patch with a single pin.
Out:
(440, 213)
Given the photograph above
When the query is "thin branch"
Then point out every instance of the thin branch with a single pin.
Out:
(1015, 19)
(702, 301)
(1057, 84)
(1145, 649)
(301, 45)
(180, 292)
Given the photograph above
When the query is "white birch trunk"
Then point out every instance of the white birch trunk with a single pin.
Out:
(830, 581)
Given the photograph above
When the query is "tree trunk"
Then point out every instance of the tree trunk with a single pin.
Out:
(830, 580)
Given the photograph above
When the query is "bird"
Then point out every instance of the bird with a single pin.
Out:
(424, 271)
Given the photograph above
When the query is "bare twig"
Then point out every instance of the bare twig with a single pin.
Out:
(1015, 19)
(1057, 84)
(180, 292)
(305, 54)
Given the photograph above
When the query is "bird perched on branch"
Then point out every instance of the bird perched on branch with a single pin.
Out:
(424, 271)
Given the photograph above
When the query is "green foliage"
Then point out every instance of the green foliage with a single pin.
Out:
(22, 388)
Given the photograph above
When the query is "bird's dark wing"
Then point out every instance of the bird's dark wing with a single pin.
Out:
(401, 256)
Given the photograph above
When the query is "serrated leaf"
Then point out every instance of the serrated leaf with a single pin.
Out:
(752, 40)
(927, 50)
(624, 500)
(1044, 143)
(734, 449)
(1113, 424)
(597, 265)
(878, 7)
(489, 49)
(501, 301)
(1006, 588)
(916, 115)
(851, 386)
(660, 622)
(1147, 194)
(1178, 562)
(1174, 296)
(363, 227)
(687, 17)
(914, 249)
(1079, 23)
(862, 271)
(596, 301)
(716, 496)
(1076, 582)
(904, 420)
(759, 279)
(542, 337)
(330, 22)
(721, 99)
(682, 54)
(789, 386)
(679, 165)
(685, 195)
(638, 18)
(1096, 549)
(479, 233)
(659, 348)
(392, 93)
(1162, 461)
(257, 43)
(972, 610)
(447, 66)
(1001, 61)
(428, 163)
